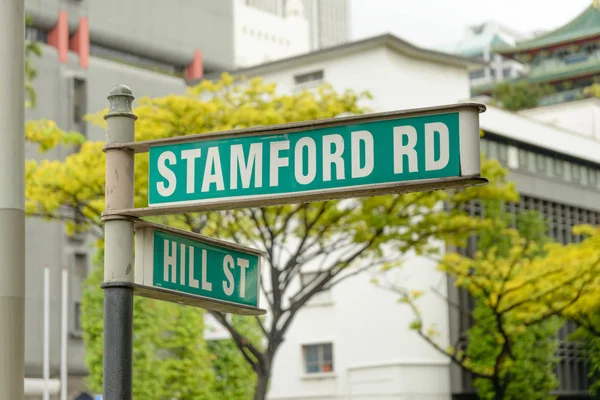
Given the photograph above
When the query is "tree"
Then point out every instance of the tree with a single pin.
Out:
(521, 288)
(171, 359)
(520, 95)
(586, 312)
(233, 375)
(340, 238)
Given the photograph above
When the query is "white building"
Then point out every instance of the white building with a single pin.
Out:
(358, 334)
(478, 42)
(261, 36)
(328, 19)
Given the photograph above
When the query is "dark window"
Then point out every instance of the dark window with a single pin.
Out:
(309, 77)
(318, 358)
(480, 73)
(79, 105)
(78, 274)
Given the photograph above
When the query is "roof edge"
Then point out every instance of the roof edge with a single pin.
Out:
(388, 40)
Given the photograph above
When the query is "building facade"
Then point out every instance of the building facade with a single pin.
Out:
(566, 59)
(328, 20)
(261, 36)
(344, 346)
(85, 51)
(479, 42)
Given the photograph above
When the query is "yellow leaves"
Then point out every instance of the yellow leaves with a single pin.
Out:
(415, 294)
(48, 135)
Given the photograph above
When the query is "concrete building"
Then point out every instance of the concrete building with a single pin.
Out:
(346, 346)
(87, 49)
(478, 42)
(566, 59)
(261, 36)
(328, 20)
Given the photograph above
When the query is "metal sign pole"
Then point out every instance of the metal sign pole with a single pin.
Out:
(118, 250)
(12, 200)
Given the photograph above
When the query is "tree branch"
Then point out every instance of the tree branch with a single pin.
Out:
(248, 350)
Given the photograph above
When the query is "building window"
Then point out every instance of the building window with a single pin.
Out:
(35, 34)
(318, 358)
(79, 272)
(576, 172)
(592, 177)
(79, 105)
(478, 74)
(321, 298)
(558, 168)
(540, 161)
(513, 157)
(314, 76)
(502, 153)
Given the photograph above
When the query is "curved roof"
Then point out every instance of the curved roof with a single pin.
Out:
(585, 25)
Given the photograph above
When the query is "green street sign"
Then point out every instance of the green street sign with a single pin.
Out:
(367, 155)
(186, 268)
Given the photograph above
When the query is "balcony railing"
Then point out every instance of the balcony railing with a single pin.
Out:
(561, 97)
(551, 64)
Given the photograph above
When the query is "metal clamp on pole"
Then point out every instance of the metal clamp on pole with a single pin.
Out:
(118, 249)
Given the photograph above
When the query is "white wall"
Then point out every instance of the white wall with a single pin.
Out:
(375, 354)
(394, 80)
(374, 351)
(260, 36)
(581, 116)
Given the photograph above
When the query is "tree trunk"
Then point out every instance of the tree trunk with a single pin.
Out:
(262, 385)
(499, 391)
(263, 372)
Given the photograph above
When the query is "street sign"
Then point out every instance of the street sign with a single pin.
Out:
(187, 268)
(366, 155)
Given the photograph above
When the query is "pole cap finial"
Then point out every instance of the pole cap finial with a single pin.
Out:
(120, 99)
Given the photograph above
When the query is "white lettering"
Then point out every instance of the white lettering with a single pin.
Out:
(190, 156)
(311, 161)
(213, 161)
(205, 284)
(238, 162)
(165, 172)
(170, 261)
(334, 157)
(193, 281)
(229, 286)
(367, 139)
(408, 149)
(430, 129)
(276, 161)
(182, 264)
(243, 264)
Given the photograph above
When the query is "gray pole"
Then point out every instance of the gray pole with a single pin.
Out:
(118, 250)
(12, 199)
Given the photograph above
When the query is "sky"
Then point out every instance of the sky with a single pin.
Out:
(432, 23)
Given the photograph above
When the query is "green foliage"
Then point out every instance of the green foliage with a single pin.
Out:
(171, 359)
(521, 359)
(521, 289)
(592, 346)
(528, 372)
(520, 95)
(31, 49)
(233, 375)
